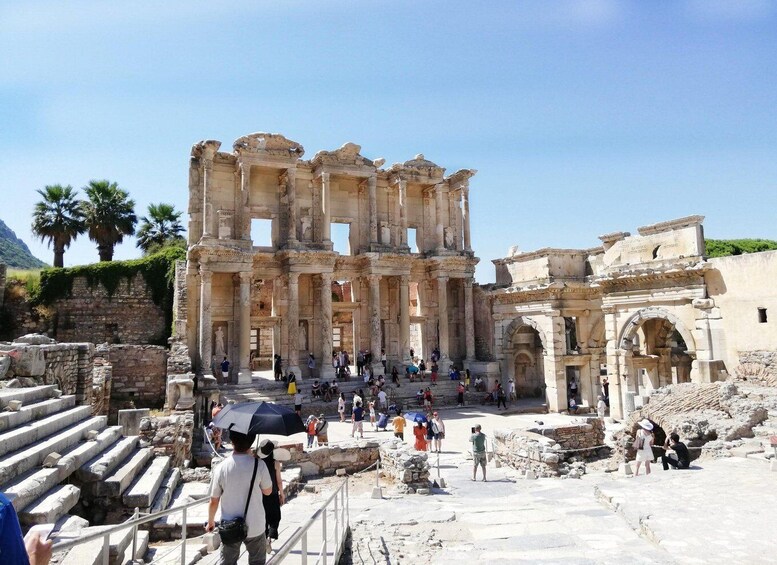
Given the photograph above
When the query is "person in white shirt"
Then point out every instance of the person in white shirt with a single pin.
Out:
(382, 400)
(229, 489)
(601, 407)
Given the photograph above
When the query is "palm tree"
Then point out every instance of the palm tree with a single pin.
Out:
(161, 227)
(109, 215)
(58, 218)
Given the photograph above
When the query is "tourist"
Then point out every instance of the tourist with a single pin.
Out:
(467, 378)
(573, 388)
(680, 458)
(326, 391)
(310, 427)
(359, 363)
(429, 431)
(315, 390)
(231, 489)
(606, 390)
(382, 400)
(438, 429)
(601, 407)
(399, 425)
(272, 502)
(460, 394)
(501, 397)
(511, 391)
(33, 548)
(478, 441)
(419, 397)
(225, 371)
(322, 430)
(643, 445)
(480, 386)
(395, 375)
(428, 399)
(298, 403)
(421, 369)
(311, 364)
(357, 417)
(383, 359)
(572, 405)
(419, 431)
(341, 406)
(435, 354)
(277, 367)
(216, 431)
(291, 380)
(357, 397)
(371, 406)
(435, 371)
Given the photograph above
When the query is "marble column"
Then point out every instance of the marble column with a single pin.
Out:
(326, 211)
(372, 185)
(292, 314)
(375, 327)
(327, 371)
(442, 316)
(244, 349)
(465, 202)
(356, 294)
(291, 197)
(469, 320)
(404, 319)
(403, 213)
(276, 312)
(244, 214)
(207, 206)
(206, 329)
(439, 229)
(614, 360)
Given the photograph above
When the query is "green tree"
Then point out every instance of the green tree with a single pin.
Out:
(109, 215)
(162, 227)
(58, 218)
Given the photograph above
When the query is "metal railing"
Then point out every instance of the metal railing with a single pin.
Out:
(341, 511)
(133, 523)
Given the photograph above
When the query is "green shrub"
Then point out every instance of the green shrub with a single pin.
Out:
(727, 247)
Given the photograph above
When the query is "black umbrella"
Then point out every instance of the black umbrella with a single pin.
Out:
(259, 418)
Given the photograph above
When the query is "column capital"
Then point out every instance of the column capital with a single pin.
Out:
(324, 176)
(372, 181)
(443, 278)
(374, 278)
(205, 273)
(404, 280)
(326, 278)
(293, 277)
(245, 277)
(468, 282)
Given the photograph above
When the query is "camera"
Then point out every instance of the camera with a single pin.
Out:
(473, 430)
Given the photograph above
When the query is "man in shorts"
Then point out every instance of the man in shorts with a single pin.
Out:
(358, 420)
(399, 425)
(478, 440)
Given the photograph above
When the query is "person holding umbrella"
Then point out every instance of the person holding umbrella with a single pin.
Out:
(232, 488)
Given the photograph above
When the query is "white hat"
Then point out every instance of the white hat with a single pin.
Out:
(645, 424)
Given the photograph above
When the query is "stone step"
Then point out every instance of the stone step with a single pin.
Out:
(165, 493)
(117, 482)
(51, 507)
(143, 489)
(141, 548)
(27, 395)
(32, 432)
(168, 554)
(90, 553)
(23, 460)
(169, 527)
(35, 411)
(99, 467)
(26, 488)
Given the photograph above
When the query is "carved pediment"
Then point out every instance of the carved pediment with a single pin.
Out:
(269, 144)
(347, 155)
(206, 148)
(419, 166)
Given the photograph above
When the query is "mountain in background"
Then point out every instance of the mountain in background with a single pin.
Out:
(14, 252)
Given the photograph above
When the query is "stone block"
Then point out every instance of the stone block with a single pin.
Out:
(129, 420)
(28, 360)
(309, 469)
(340, 472)
(15, 405)
(51, 460)
(91, 435)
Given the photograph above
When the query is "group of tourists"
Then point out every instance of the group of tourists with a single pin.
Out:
(675, 453)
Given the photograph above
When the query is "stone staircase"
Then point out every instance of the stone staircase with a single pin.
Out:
(56, 459)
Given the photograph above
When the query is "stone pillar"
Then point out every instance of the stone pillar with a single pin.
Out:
(469, 320)
(326, 211)
(439, 229)
(442, 310)
(245, 199)
(403, 214)
(375, 327)
(207, 206)
(327, 371)
(291, 196)
(244, 375)
(206, 329)
(614, 370)
(372, 184)
(404, 319)
(292, 316)
(357, 315)
(465, 199)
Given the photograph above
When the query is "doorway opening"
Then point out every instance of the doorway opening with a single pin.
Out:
(341, 238)
(261, 232)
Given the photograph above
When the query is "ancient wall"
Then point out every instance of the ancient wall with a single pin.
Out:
(405, 465)
(170, 435)
(91, 314)
(741, 285)
(352, 457)
(139, 377)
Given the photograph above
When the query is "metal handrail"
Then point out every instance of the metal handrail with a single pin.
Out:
(131, 523)
(342, 524)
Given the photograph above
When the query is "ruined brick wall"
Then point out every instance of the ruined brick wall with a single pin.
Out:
(18, 317)
(757, 367)
(69, 365)
(139, 376)
(90, 314)
(170, 435)
(404, 464)
(326, 460)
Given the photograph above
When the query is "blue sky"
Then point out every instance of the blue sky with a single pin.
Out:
(582, 117)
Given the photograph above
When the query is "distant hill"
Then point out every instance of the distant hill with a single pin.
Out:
(726, 247)
(14, 252)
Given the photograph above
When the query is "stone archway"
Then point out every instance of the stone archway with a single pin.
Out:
(528, 374)
(524, 348)
(636, 321)
(518, 323)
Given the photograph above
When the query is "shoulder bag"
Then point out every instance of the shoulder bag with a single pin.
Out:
(236, 530)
